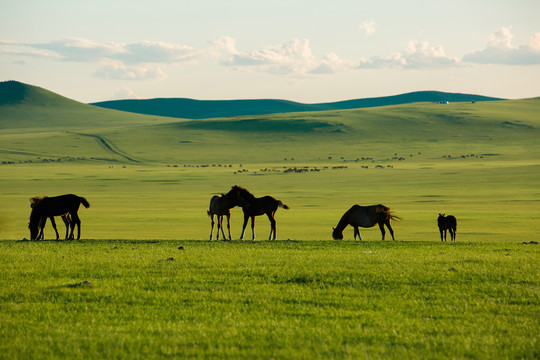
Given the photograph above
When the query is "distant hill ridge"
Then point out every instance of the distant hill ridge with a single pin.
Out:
(204, 109)
(14, 92)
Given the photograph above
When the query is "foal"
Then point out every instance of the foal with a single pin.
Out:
(221, 205)
(253, 206)
(447, 223)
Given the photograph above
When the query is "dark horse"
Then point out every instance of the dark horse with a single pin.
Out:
(365, 216)
(447, 223)
(65, 217)
(221, 205)
(56, 206)
(252, 206)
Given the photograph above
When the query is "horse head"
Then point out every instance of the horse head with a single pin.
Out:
(336, 234)
(241, 195)
(34, 229)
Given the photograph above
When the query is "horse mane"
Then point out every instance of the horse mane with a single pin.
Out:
(36, 200)
(243, 191)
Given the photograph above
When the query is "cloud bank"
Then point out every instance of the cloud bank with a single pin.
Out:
(147, 60)
(501, 51)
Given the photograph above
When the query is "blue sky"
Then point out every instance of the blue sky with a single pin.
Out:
(308, 51)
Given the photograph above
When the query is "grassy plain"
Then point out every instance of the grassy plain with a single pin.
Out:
(129, 299)
(126, 290)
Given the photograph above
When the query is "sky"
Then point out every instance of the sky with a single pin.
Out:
(307, 51)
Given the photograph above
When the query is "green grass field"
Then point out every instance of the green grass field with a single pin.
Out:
(285, 299)
(126, 290)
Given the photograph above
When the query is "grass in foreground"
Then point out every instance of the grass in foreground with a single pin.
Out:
(289, 299)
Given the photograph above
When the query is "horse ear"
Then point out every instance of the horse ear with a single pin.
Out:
(333, 228)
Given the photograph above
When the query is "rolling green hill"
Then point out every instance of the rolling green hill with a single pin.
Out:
(204, 109)
(35, 122)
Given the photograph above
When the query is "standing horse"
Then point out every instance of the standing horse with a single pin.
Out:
(65, 217)
(252, 206)
(221, 205)
(447, 223)
(56, 206)
(365, 216)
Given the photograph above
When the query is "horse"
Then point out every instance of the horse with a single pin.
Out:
(253, 206)
(65, 217)
(447, 223)
(365, 216)
(221, 205)
(56, 206)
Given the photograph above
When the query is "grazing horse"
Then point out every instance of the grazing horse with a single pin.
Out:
(252, 206)
(221, 205)
(365, 216)
(56, 206)
(65, 217)
(447, 223)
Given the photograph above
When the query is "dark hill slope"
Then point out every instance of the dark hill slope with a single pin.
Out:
(24, 106)
(204, 109)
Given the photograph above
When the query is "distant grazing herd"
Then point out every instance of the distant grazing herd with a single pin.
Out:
(67, 207)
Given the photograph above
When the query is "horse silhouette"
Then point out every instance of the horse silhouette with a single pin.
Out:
(253, 206)
(365, 216)
(49, 207)
(221, 205)
(447, 223)
(65, 217)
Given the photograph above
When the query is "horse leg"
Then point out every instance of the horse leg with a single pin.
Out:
(272, 227)
(390, 229)
(253, 227)
(75, 221)
(211, 226)
(41, 226)
(246, 217)
(356, 232)
(221, 227)
(359, 236)
(53, 223)
(66, 222)
(383, 232)
(229, 225)
(441, 231)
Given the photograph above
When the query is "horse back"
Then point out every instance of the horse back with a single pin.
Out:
(60, 205)
(363, 216)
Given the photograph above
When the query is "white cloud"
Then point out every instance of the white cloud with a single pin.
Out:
(294, 57)
(418, 55)
(534, 42)
(500, 50)
(75, 49)
(332, 63)
(136, 61)
(113, 69)
(367, 27)
(226, 43)
(158, 52)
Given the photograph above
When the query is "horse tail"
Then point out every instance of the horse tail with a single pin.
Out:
(389, 215)
(282, 205)
(209, 213)
(84, 202)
